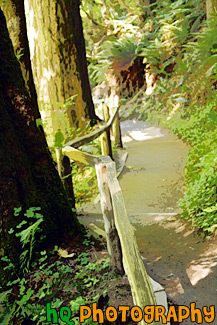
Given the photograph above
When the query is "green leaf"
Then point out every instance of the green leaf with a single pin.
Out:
(5, 259)
(17, 211)
(4, 295)
(24, 222)
(11, 231)
(75, 304)
(30, 212)
(26, 297)
(210, 209)
(39, 122)
(26, 233)
(10, 266)
(9, 284)
(7, 315)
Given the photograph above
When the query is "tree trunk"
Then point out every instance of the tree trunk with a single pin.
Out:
(82, 61)
(28, 177)
(211, 7)
(16, 24)
(56, 71)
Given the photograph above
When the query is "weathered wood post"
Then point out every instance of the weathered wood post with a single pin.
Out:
(142, 290)
(106, 146)
(118, 228)
(64, 170)
(113, 241)
(116, 125)
(117, 133)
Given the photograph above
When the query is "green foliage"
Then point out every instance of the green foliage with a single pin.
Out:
(119, 29)
(186, 96)
(27, 239)
(193, 76)
(49, 279)
(84, 177)
(179, 48)
(111, 33)
(45, 283)
(87, 241)
(199, 130)
(84, 183)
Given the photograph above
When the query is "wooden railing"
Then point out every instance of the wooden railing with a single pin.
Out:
(78, 142)
(63, 162)
(121, 242)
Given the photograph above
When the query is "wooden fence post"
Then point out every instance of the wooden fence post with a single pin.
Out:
(118, 228)
(113, 241)
(141, 287)
(64, 170)
(59, 161)
(105, 137)
(117, 132)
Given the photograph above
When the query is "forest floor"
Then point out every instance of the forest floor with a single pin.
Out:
(152, 183)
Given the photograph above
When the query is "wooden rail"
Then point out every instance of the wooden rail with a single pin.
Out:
(121, 241)
(82, 157)
(76, 143)
(63, 163)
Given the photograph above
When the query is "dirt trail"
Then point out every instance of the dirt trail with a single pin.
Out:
(152, 183)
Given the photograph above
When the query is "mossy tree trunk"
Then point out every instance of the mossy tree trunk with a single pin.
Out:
(28, 177)
(55, 61)
(211, 7)
(16, 24)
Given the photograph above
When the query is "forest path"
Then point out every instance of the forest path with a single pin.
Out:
(152, 182)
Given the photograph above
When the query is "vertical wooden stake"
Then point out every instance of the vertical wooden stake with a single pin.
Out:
(105, 137)
(59, 161)
(67, 180)
(64, 170)
(112, 238)
(141, 287)
(117, 132)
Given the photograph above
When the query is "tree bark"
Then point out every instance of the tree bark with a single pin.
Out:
(82, 61)
(28, 177)
(16, 24)
(211, 7)
(56, 70)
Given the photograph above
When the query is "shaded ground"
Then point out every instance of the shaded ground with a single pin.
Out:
(152, 183)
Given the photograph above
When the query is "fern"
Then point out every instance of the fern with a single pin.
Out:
(27, 236)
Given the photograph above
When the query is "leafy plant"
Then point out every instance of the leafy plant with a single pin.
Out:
(48, 278)
(199, 201)
(84, 183)
(179, 49)
(27, 238)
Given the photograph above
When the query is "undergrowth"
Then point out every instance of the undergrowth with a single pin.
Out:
(178, 45)
(83, 176)
(84, 183)
(54, 276)
(186, 100)
(198, 129)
